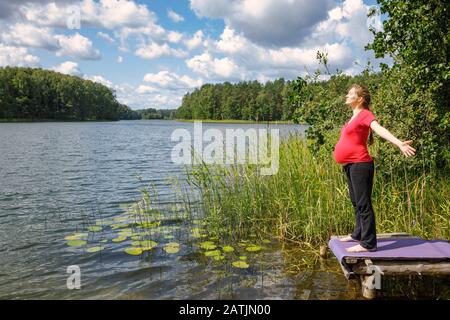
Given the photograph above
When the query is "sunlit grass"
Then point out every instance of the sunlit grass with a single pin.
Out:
(307, 200)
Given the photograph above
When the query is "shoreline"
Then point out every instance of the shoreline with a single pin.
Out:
(25, 120)
(237, 121)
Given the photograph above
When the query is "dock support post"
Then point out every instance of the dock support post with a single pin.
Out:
(367, 286)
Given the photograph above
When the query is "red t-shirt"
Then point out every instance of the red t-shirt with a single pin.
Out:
(352, 144)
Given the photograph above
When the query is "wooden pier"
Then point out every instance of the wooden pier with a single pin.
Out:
(398, 254)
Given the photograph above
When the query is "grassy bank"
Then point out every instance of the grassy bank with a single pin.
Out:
(236, 121)
(307, 200)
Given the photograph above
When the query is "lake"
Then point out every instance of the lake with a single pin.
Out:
(57, 179)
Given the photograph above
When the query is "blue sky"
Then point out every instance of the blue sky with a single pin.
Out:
(153, 52)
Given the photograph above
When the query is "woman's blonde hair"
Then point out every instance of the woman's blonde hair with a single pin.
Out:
(364, 93)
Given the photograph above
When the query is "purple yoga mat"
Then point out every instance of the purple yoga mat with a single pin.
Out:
(401, 248)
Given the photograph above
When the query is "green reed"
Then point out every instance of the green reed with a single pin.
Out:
(308, 201)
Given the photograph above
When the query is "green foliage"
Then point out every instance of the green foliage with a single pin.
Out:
(416, 93)
(241, 101)
(151, 113)
(410, 99)
(34, 93)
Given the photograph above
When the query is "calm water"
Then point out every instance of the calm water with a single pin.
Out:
(56, 176)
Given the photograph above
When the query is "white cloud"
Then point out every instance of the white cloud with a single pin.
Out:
(105, 37)
(259, 58)
(215, 68)
(144, 97)
(267, 22)
(346, 21)
(119, 59)
(108, 14)
(230, 42)
(154, 50)
(195, 41)
(100, 79)
(343, 36)
(77, 46)
(172, 81)
(15, 56)
(145, 89)
(213, 9)
(174, 36)
(175, 17)
(27, 35)
(68, 67)
(115, 13)
(30, 36)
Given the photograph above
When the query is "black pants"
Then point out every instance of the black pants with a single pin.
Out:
(360, 182)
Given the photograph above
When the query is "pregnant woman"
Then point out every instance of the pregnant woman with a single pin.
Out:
(351, 152)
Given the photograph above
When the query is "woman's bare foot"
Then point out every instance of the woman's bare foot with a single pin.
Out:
(347, 239)
(357, 248)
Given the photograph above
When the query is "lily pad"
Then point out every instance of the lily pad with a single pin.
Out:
(125, 233)
(172, 247)
(240, 264)
(266, 241)
(104, 241)
(95, 249)
(94, 228)
(227, 249)
(207, 245)
(136, 243)
(243, 258)
(147, 245)
(253, 248)
(77, 243)
(212, 253)
(76, 236)
(134, 251)
(219, 257)
(149, 225)
(119, 239)
(169, 237)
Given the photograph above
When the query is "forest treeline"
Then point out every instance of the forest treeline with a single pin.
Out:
(240, 101)
(148, 114)
(38, 94)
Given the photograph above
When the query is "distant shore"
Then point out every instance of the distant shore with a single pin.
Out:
(18, 120)
(236, 121)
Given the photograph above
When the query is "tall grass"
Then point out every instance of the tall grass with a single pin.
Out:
(308, 200)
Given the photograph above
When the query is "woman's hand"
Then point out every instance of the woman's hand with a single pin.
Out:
(407, 150)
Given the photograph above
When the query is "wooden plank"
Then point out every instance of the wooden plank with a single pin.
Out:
(405, 268)
(394, 235)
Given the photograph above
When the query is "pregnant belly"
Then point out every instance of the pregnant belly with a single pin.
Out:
(344, 153)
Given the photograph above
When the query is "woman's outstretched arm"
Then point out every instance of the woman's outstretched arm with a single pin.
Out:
(384, 133)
